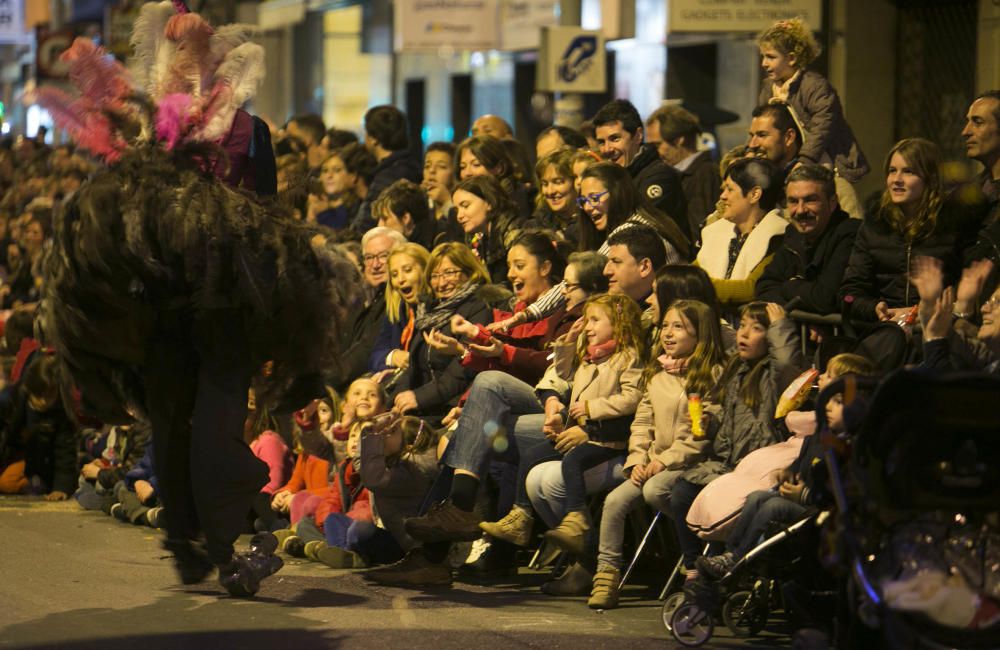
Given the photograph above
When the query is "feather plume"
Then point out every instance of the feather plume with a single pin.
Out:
(147, 36)
(97, 75)
(228, 37)
(172, 118)
(236, 81)
(85, 121)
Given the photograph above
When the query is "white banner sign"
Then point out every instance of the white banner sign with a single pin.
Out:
(12, 21)
(740, 15)
(521, 22)
(430, 25)
(571, 60)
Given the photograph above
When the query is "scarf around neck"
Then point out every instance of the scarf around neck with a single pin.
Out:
(672, 365)
(601, 351)
(439, 314)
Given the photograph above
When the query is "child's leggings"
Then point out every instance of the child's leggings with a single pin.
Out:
(574, 464)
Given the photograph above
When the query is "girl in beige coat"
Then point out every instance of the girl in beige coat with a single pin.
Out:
(661, 445)
(600, 358)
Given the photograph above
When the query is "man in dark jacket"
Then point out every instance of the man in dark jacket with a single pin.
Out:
(982, 143)
(674, 132)
(811, 261)
(386, 137)
(358, 337)
(620, 138)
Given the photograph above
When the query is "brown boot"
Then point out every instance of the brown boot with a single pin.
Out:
(570, 533)
(514, 528)
(604, 594)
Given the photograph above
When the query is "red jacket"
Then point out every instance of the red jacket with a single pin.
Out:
(526, 350)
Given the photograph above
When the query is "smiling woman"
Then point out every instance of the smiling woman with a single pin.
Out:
(433, 382)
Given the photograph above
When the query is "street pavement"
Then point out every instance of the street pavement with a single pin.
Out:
(72, 579)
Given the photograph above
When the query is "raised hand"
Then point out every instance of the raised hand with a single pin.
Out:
(927, 277)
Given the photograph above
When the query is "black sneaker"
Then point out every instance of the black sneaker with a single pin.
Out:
(242, 576)
(118, 512)
(715, 567)
(414, 570)
(444, 522)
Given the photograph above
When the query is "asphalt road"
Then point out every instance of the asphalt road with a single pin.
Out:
(72, 579)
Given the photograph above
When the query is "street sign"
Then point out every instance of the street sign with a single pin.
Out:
(571, 60)
(740, 15)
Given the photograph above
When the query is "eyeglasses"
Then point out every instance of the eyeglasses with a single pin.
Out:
(381, 257)
(450, 274)
(992, 303)
(592, 199)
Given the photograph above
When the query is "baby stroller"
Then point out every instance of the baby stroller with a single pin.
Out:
(917, 501)
(753, 588)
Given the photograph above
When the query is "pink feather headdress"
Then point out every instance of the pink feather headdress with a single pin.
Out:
(197, 77)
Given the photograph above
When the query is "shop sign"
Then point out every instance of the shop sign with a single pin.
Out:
(436, 25)
(571, 60)
(740, 15)
(521, 22)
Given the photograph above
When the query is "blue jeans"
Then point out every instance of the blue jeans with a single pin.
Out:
(762, 507)
(498, 405)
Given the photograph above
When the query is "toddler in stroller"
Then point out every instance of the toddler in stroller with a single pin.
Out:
(917, 515)
(749, 572)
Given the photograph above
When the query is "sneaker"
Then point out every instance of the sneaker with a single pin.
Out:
(155, 518)
(576, 580)
(118, 512)
(311, 548)
(444, 522)
(498, 560)
(336, 557)
(191, 561)
(243, 575)
(414, 570)
(604, 594)
(294, 546)
(717, 566)
(570, 533)
(514, 528)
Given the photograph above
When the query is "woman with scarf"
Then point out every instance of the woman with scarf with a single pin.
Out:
(433, 382)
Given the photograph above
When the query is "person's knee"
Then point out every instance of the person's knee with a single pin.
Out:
(490, 381)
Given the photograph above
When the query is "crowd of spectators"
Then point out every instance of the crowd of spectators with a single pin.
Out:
(532, 335)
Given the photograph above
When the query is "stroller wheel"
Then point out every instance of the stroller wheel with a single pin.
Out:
(670, 606)
(744, 614)
(691, 625)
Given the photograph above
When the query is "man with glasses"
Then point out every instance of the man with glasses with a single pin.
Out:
(359, 336)
(620, 138)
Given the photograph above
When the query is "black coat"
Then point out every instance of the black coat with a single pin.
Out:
(701, 185)
(880, 260)
(661, 185)
(47, 442)
(438, 380)
(358, 339)
(810, 273)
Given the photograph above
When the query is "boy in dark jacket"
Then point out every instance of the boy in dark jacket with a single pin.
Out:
(41, 434)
